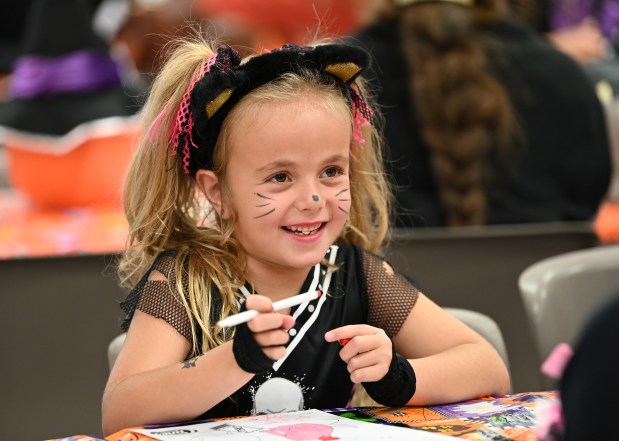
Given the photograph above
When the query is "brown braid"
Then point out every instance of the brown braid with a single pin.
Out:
(463, 111)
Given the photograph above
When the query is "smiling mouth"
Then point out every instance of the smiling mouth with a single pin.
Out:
(304, 231)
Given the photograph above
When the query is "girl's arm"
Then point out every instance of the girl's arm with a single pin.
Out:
(451, 361)
(151, 383)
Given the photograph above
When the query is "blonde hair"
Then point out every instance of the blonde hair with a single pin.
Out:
(166, 211)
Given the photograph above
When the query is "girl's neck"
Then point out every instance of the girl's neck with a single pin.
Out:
(277, 283)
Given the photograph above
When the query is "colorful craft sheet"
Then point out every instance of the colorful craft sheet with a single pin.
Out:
(508, 418)
(306, 425)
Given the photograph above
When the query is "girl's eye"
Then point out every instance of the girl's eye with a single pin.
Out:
(279, 177)
(332, 172)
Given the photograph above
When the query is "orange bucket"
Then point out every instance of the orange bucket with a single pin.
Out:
(90, 175)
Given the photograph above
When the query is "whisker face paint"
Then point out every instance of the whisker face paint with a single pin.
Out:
(260, 195)
(344, 190)
(265, 214)
(339, 193)
(315, 198)
(264, 197)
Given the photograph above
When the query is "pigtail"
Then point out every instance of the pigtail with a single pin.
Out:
(165, 211)
(463, 112)
(371, 210)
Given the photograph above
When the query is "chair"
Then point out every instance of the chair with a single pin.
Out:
(484, 326)
(114, 348)
(477, 268)
(561, 292)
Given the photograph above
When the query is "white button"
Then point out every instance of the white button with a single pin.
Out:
(310, 308)
(292, 332)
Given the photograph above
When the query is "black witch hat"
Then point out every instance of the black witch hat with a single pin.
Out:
(65, 86)
(11, 30)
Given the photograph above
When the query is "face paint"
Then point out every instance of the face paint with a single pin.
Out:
(342, 199)
(279, 225)
(264, 205)
(315, 198)
(264, 197)
(340, 192)
(265, 214)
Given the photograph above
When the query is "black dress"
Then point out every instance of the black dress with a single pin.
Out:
(363, 289)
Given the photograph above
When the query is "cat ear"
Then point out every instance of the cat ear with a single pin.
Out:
(215, 104)
(343, 71)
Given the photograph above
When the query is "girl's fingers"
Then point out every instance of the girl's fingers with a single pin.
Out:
(272, 338)
(269, 321)
(348, 332)
(367, 374)
(269, 328)
(369, 359)
(259, 303)
(275, 352)
(379, 343)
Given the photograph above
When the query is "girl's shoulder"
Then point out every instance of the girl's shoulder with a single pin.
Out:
(165, 264)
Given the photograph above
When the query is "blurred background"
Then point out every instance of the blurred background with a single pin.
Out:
(73, 77)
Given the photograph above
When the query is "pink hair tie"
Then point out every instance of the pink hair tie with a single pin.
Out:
(183, 120)
(361, 113)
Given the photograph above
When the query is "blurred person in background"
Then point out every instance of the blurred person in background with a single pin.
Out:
(486, 122)
(68, 120)
(584, 29)
(11, 28)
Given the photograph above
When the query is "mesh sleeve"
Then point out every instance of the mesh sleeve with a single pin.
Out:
(161, 299)
(391, 297)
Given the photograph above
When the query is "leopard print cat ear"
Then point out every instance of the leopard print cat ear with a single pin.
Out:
(215, 104)
(343, 71)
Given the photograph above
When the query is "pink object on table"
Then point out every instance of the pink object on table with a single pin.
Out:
(557, 360)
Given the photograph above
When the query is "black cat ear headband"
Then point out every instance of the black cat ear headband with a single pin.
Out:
(222, 81)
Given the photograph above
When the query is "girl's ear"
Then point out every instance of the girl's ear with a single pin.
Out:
(209, 184)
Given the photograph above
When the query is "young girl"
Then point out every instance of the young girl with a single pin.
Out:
(256, 181)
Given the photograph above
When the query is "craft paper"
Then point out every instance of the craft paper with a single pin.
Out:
(306, 425)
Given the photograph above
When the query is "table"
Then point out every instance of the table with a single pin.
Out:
(60, 296)
(28, 231)
(506, 418)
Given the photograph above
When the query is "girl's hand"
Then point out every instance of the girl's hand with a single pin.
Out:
(270, 329)
(366, 350)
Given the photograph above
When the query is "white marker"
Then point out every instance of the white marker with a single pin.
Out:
(246, 316)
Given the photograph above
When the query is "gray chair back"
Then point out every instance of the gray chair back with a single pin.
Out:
(561, 292)
(485, 326)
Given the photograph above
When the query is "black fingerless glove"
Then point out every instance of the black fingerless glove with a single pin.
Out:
(247, 351)
(398, 385)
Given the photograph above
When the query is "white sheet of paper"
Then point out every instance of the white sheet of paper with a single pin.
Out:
(305, 425)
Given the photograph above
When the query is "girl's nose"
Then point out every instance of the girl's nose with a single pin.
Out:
(310, 200)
